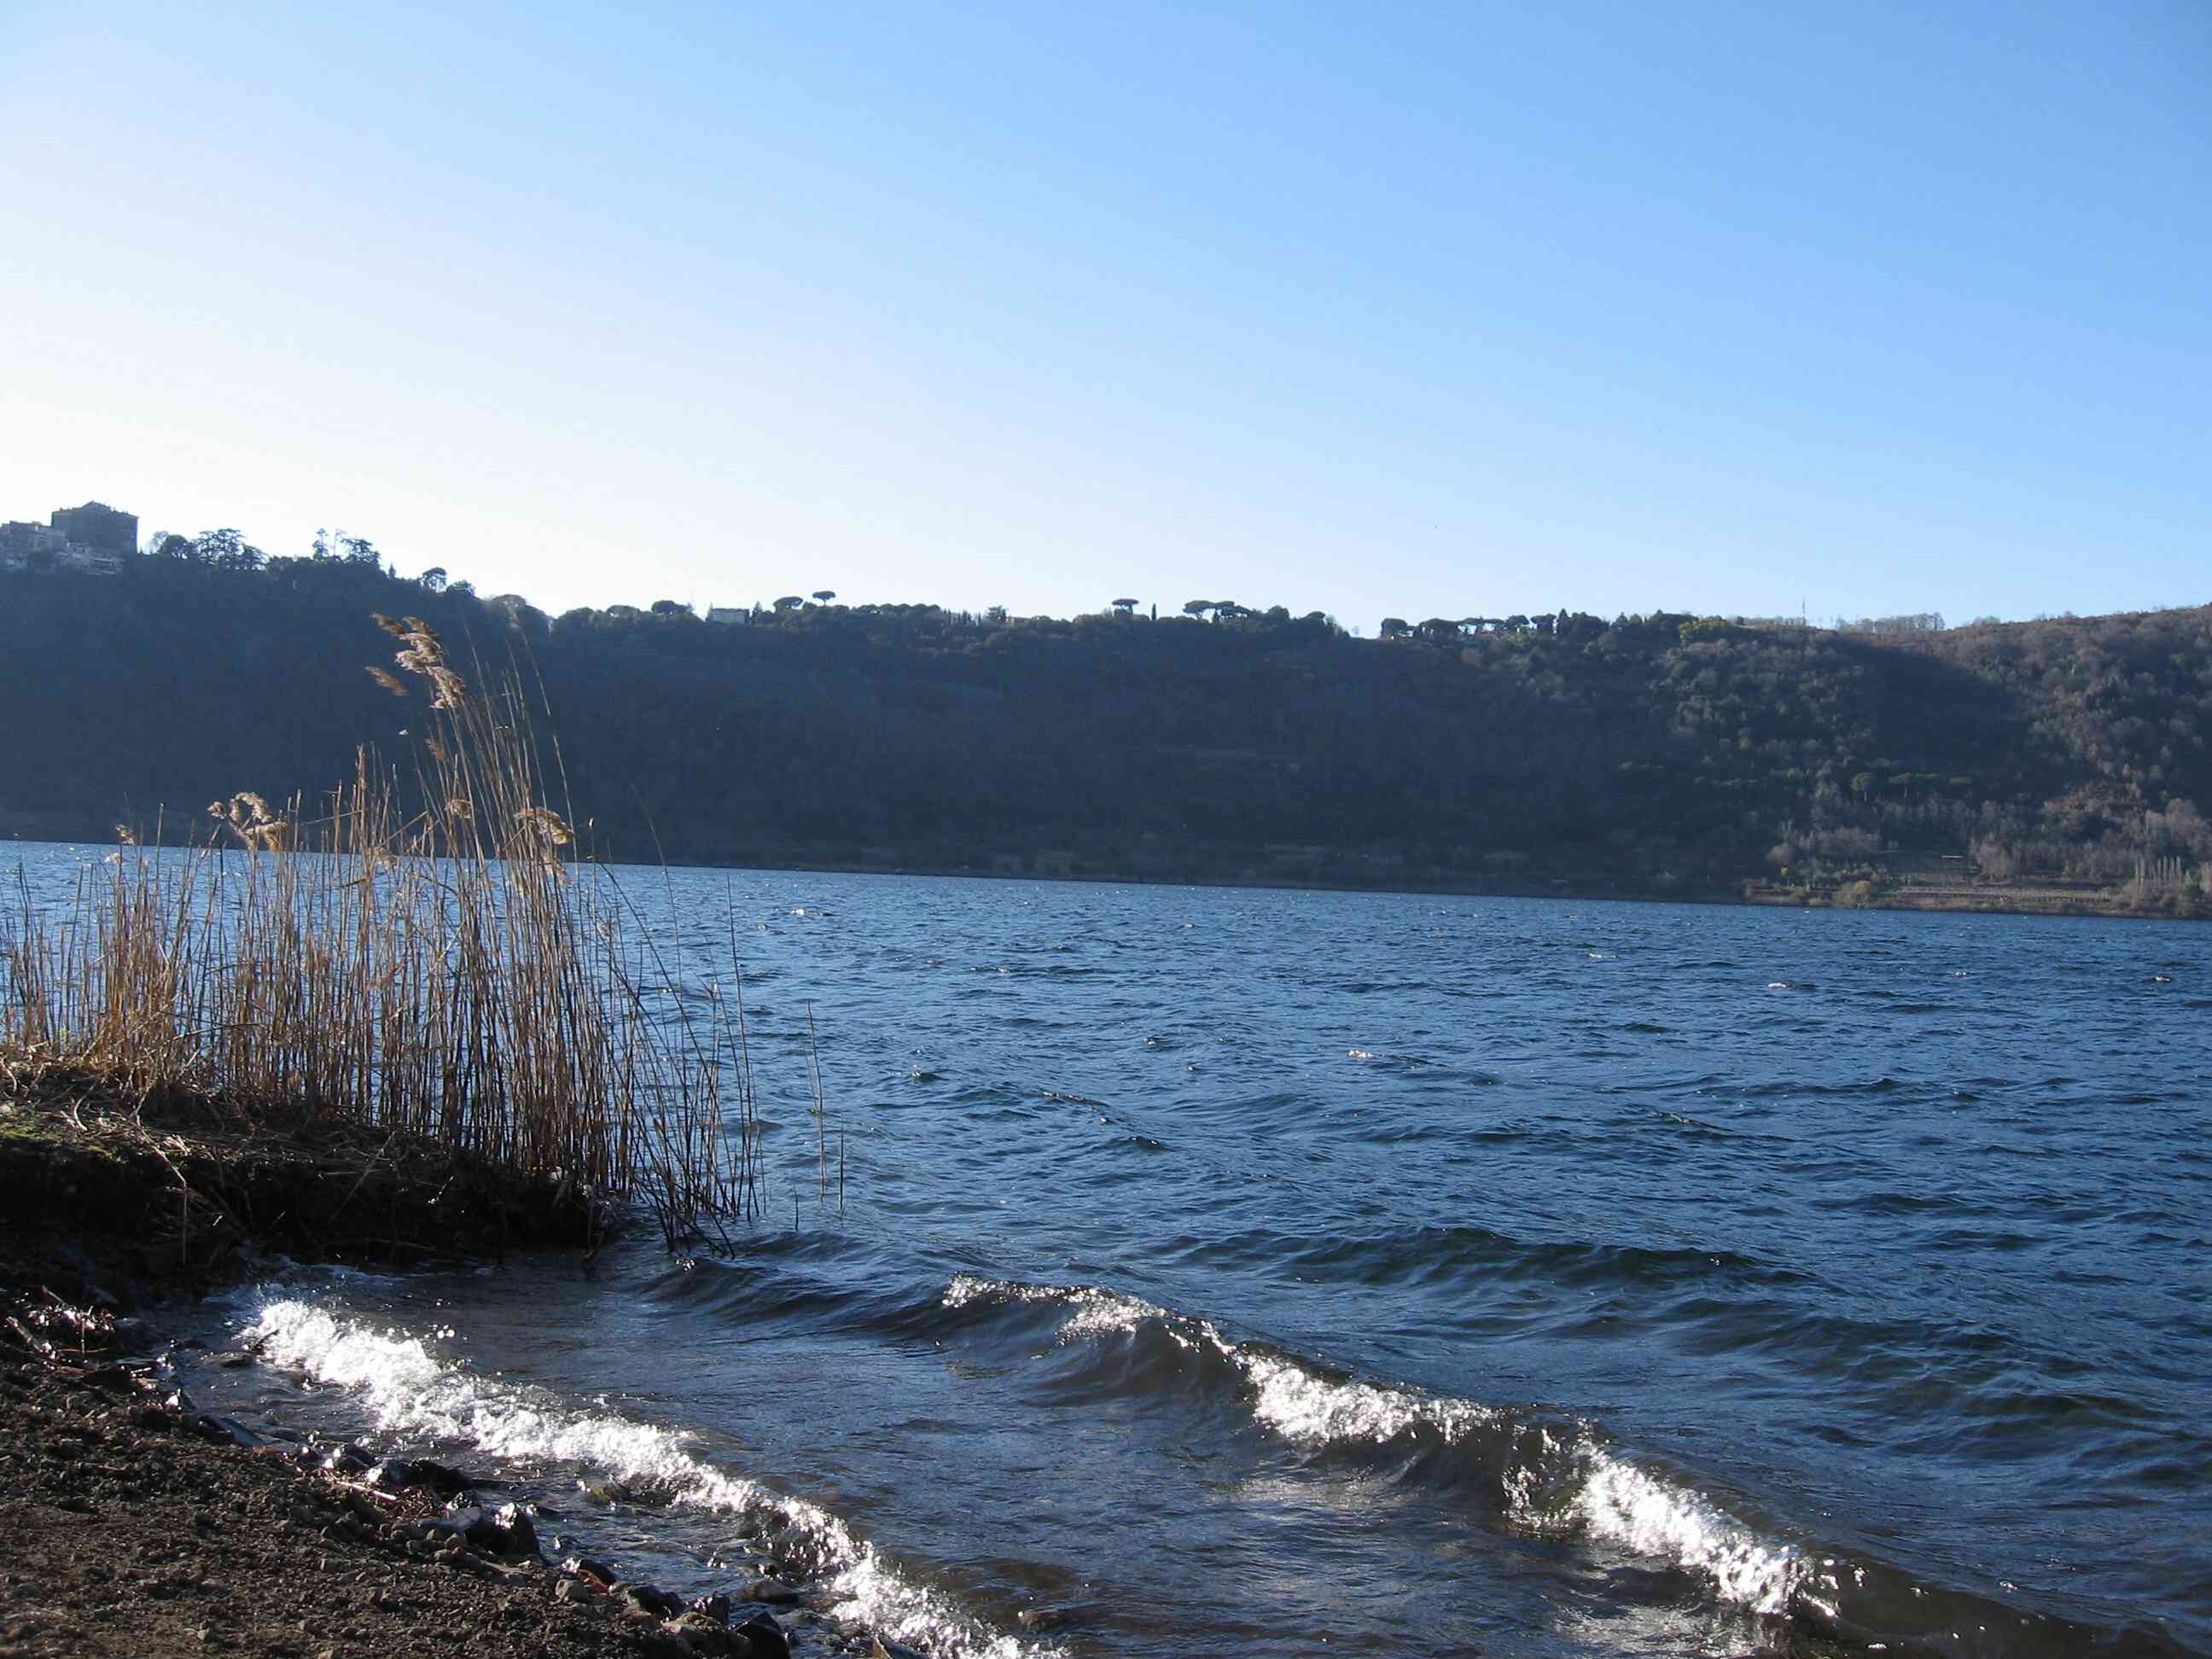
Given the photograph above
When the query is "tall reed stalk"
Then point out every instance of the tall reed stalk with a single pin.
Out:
(426, 953)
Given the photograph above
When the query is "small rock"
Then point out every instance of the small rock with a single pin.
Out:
(644, 1601)
(348, 1459)
(503, 1531)
(572, 1590)
(765, 1636)
(772, 1593)
(439, 1478)
(596, 1574)
(697, 1633)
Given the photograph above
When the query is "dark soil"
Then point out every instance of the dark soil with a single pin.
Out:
(131, 1524)
(110, 1190)
(123, 1532)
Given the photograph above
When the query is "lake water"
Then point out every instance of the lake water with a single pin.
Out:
(1233, 1271)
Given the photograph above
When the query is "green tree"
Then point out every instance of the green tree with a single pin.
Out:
(226, 550)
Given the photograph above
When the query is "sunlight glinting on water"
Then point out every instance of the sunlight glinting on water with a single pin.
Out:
(407, 1390)
(1577, 1279)
(1612, 1498)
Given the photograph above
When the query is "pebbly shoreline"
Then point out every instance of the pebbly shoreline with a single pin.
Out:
(132, 1523)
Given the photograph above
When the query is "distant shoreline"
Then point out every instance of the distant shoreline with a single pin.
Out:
(1992, 900)
(1955, 898)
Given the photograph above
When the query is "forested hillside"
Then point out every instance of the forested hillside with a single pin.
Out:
(1664, 753)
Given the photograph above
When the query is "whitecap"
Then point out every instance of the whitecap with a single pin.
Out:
(1638, 1511)
(408, 1390)
(1583, 1485)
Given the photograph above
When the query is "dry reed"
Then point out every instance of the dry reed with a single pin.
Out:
(427, 954)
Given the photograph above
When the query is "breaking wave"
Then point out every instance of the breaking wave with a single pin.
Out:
(407, 1389)
(1552, 1475)
(1539, 1472)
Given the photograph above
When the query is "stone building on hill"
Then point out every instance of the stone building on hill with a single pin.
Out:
(94, 538)
(99, 528)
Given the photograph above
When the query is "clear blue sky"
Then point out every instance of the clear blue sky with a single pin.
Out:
(1367, 308)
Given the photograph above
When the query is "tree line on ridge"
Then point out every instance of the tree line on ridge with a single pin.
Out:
(1651, 753)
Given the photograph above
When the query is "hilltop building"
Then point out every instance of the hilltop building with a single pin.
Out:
(94, 538)
(99, 527)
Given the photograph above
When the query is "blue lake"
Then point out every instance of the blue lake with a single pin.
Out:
(1230, 1270)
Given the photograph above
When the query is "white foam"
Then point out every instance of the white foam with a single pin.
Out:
(1607, 1496)
(409, 1391)
(1624, 1503)
(1300, 1405)
(1091, 1311)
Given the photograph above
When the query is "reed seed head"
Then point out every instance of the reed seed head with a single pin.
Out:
(453, 690)
(547, 823)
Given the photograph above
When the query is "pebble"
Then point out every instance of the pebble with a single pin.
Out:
(707, 1638)
(596, 1572)
(503, 1531)
(644, 1601)
(765, 1637)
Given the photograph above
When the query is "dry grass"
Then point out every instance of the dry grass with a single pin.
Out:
(424, 954)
